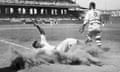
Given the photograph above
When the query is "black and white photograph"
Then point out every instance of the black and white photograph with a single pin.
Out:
(59, 36)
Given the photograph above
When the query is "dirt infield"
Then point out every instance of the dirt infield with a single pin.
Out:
(26, 34)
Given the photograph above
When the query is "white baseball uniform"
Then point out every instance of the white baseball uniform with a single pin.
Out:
(93, 19)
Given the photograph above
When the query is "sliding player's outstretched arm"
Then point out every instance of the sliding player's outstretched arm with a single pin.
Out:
(39, 29)
(42, 35)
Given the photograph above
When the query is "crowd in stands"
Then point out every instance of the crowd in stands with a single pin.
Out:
(36, 1)
(69, 1)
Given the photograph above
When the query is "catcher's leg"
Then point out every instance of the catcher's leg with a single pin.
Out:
(99, 43)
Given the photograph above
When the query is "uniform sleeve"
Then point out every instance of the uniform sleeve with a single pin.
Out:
(43, 38)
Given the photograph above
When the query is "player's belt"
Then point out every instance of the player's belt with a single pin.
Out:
(95, 20)
(98, 22)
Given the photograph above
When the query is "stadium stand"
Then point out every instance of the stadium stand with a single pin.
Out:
(19, 10)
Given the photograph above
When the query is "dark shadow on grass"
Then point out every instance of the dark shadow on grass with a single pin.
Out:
(16, 65)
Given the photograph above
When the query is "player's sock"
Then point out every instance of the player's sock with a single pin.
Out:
(98, 41)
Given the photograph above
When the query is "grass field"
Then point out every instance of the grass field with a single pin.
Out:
(26, 34)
